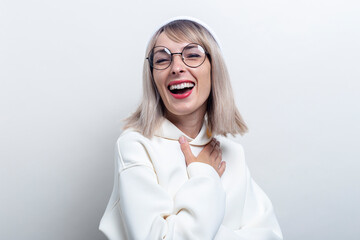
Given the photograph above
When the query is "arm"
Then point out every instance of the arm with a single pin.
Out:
(259, 221)
(149, 212)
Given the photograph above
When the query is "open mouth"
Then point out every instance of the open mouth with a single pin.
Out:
(181, 88)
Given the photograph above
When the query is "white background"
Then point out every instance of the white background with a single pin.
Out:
(70, 70)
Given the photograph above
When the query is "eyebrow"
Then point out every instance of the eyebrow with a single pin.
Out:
(190, 47)
(160, 50)
(163, 50)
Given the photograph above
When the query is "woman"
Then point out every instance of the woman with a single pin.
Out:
(173, 178)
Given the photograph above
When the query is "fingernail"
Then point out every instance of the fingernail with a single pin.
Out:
(182, 139)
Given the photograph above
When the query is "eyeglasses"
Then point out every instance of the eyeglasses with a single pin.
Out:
(193, 55)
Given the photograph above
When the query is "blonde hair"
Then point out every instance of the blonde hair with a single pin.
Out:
(223, 116)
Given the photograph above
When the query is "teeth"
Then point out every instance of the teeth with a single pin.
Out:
(181, 86)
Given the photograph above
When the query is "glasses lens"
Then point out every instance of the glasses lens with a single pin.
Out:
(160, 58)
(194, 55)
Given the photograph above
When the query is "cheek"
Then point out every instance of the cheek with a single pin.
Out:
(207, 81)
(158, 79)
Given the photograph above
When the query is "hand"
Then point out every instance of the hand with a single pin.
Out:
(211, 154)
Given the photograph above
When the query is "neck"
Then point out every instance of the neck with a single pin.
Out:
(189, 124)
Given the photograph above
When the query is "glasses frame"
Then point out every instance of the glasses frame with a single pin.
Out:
(179, 53)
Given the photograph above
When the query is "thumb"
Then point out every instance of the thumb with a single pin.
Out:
(185, 148)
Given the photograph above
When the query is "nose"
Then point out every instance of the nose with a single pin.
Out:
(177, 65)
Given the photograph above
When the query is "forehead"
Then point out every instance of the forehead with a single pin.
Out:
(164, 40)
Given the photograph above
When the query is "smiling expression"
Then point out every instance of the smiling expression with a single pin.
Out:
(183, 90)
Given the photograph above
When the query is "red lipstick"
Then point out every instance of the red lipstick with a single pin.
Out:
(180, 95)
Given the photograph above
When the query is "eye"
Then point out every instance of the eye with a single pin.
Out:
(192, 55)
(162, 60)
(193, 52)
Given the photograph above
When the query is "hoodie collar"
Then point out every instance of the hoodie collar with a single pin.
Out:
(169, 131)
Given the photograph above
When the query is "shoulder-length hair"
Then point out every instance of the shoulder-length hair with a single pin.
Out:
(223, 116)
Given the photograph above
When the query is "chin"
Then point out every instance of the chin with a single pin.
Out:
(183, 109)
(180, 111)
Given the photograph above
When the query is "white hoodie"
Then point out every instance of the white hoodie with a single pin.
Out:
(156, 196)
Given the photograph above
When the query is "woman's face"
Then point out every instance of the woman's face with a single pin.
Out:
(190, 100)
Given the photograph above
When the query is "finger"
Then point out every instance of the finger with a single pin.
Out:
(216, 151)
(185, 148)
(209, 147)
(222, 168)
(212, 142)
(217, 162)
(219, 156)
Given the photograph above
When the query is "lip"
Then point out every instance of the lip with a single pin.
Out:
(184, 95)
(179, 82)
(181, 96)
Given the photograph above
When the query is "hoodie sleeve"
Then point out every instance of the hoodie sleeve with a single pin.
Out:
(149, 212)
(259, 221)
